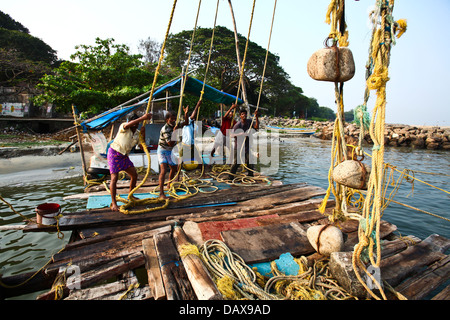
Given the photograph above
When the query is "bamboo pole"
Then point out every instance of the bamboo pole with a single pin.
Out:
(80, 142)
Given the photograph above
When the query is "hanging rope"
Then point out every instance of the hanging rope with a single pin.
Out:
(131, 199)
(184, 76)
(209, 57)
(262, 82)
(339, 35)
(383, 37)
(241, 72)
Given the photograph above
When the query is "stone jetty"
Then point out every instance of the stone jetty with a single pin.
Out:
(396, 135)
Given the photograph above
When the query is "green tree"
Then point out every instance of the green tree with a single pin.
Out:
(349, 116)
(98, 78)
(29, 47)
(9, 23)
(23, 58)
(18, 70)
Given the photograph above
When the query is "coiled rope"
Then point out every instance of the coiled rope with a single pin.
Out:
(236, 280)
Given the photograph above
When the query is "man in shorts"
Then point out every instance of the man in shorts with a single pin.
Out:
(164, 152)
(127, 137)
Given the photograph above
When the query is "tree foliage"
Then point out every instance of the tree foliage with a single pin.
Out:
(9, 23)
(17, 70)
(23, 58)
(98, 78)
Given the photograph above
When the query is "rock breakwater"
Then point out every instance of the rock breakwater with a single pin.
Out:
(395, 135)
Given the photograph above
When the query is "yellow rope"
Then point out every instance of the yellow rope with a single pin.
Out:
(369, 230)
(187, 64)
(131, 201)
(241, 73)
(262, 77)
(231, 273)
(131, 288)
(209, 56)
(335, 16)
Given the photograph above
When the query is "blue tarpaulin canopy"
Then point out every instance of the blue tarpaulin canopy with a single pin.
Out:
(192, 86)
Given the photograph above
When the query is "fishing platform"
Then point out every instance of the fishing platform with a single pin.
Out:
(113, 256)
(248, 241)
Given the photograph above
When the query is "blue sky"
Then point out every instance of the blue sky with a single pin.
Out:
(420, 66)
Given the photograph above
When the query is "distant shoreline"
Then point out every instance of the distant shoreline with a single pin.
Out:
(396, 135)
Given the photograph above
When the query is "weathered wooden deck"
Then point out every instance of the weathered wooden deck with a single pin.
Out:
(138, 257)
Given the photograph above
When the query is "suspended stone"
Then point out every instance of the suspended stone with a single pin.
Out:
(325, 239)
(352, 174)
(323, 66)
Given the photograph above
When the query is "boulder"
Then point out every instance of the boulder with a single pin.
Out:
(325, 239)
(324, 65)
(352, 173)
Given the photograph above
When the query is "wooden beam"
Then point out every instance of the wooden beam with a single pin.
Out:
(89, 256)
(174, 276)
(198, 275)
(422, 284)
(155, 281)
(397, 268)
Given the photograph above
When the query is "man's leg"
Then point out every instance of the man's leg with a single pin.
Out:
(162, 177)
(131, 171)
(173, 171)
(235, 164)
(113, 188)
(248, 165)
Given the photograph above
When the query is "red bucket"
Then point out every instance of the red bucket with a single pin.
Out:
(46, 213)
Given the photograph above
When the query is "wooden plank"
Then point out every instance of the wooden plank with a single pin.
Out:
(105, 217)
(161, 227)
(153, 272)
(98, 293)
(202, 283)
(108, 247)
(102, 292)
(390, 248)
(106, 271)
(96, 259)
(267, 243)
(93, 276)
(422, 284)
(252, 208)
(301, 217)
(176, 282)
(443, 295)
(397, 268)
(212, 229)
(386, 229)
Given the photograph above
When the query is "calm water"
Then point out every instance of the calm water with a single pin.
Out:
(29, 181)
